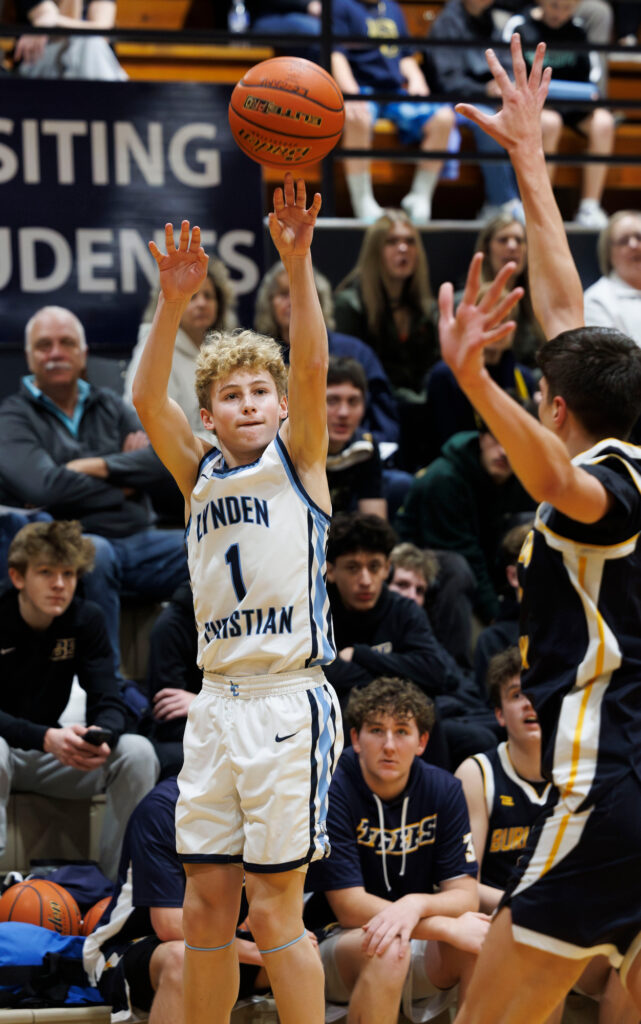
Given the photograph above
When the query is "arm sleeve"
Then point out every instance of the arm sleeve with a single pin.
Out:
(96, 674)
(344, 675)
(455, 855)
(31, 474)
(417, 655)
(173, 650)
(342, 870)
(21, 733)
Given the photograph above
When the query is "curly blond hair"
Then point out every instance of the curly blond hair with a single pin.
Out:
(226, 351)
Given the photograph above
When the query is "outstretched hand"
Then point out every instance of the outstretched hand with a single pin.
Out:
(518, 122)
(182, 269)
(291, 225)
(465, 333)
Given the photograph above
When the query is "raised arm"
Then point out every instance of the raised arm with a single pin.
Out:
(305, 432)
(538, 457)
(182, 271)
(469, 772)
(557, 295)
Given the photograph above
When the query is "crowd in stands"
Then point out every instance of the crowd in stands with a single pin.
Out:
(429, 523)
(422, 585)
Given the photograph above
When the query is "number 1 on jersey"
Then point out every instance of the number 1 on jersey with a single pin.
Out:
(232, 557)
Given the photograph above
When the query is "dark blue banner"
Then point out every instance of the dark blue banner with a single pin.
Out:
(90, 171)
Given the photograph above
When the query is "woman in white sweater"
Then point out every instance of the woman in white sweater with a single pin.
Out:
(212, 308)
(615, 299)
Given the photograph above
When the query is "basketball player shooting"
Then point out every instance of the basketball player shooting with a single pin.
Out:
(264, 733)
(579, 890)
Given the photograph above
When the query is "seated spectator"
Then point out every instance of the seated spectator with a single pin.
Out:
(373, 68)
(462, 74)
(272, 315)
(48, 635)
(442, 583)
(401, 875)
(387, 301)
(627, 22)
(555, 24)
(449, 411)
(503, 240)
(416, 574)
(354, 471)
(615, 299)
(357, 481)
(82, 56)
(464, 502)
(506, 795)
(173, 677)
(504, 631)
(288, 18)
(412, 572)
(77, 450)
(504, 788)
(212, 308)
(135, 956)
(378, 632)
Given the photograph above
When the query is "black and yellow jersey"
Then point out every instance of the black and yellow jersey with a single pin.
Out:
(581, 632)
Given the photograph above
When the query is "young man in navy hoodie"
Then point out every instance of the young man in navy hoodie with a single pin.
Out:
(398, 828)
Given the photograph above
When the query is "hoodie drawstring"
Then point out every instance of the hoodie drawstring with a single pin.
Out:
(381, 825)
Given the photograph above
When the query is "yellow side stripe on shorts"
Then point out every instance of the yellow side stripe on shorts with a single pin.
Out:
(556, 844)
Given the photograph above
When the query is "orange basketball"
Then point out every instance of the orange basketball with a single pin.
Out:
(41, 902)
(93, 915)
(286, 112)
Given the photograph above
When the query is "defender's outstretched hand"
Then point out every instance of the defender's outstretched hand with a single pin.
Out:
(465, 333)
(291, 225)
(518, 122)
(182, 269)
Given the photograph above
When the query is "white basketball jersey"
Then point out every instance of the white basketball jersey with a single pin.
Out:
(256, 549)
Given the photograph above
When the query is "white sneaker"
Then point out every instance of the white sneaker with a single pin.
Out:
(417, 207)
(591, 216)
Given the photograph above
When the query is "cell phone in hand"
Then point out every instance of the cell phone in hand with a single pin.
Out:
(97, 736)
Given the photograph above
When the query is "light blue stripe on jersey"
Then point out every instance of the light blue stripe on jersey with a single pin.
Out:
(318, 523)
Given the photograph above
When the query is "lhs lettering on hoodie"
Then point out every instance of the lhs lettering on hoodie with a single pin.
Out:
(396, 841)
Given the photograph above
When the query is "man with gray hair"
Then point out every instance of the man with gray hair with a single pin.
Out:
(77, 451)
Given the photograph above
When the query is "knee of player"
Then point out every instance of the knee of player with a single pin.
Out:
(171, 969)
(272, 925)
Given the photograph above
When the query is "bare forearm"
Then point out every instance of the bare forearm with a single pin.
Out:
(149, 390)
(538, 458)
(490, 898)
(343, 74)
(307, 330)
(557, 295)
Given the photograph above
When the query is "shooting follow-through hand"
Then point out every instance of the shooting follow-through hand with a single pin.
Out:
(183, 269)
(291, 225)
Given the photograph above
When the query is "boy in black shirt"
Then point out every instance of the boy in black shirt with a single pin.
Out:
(48, 636)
